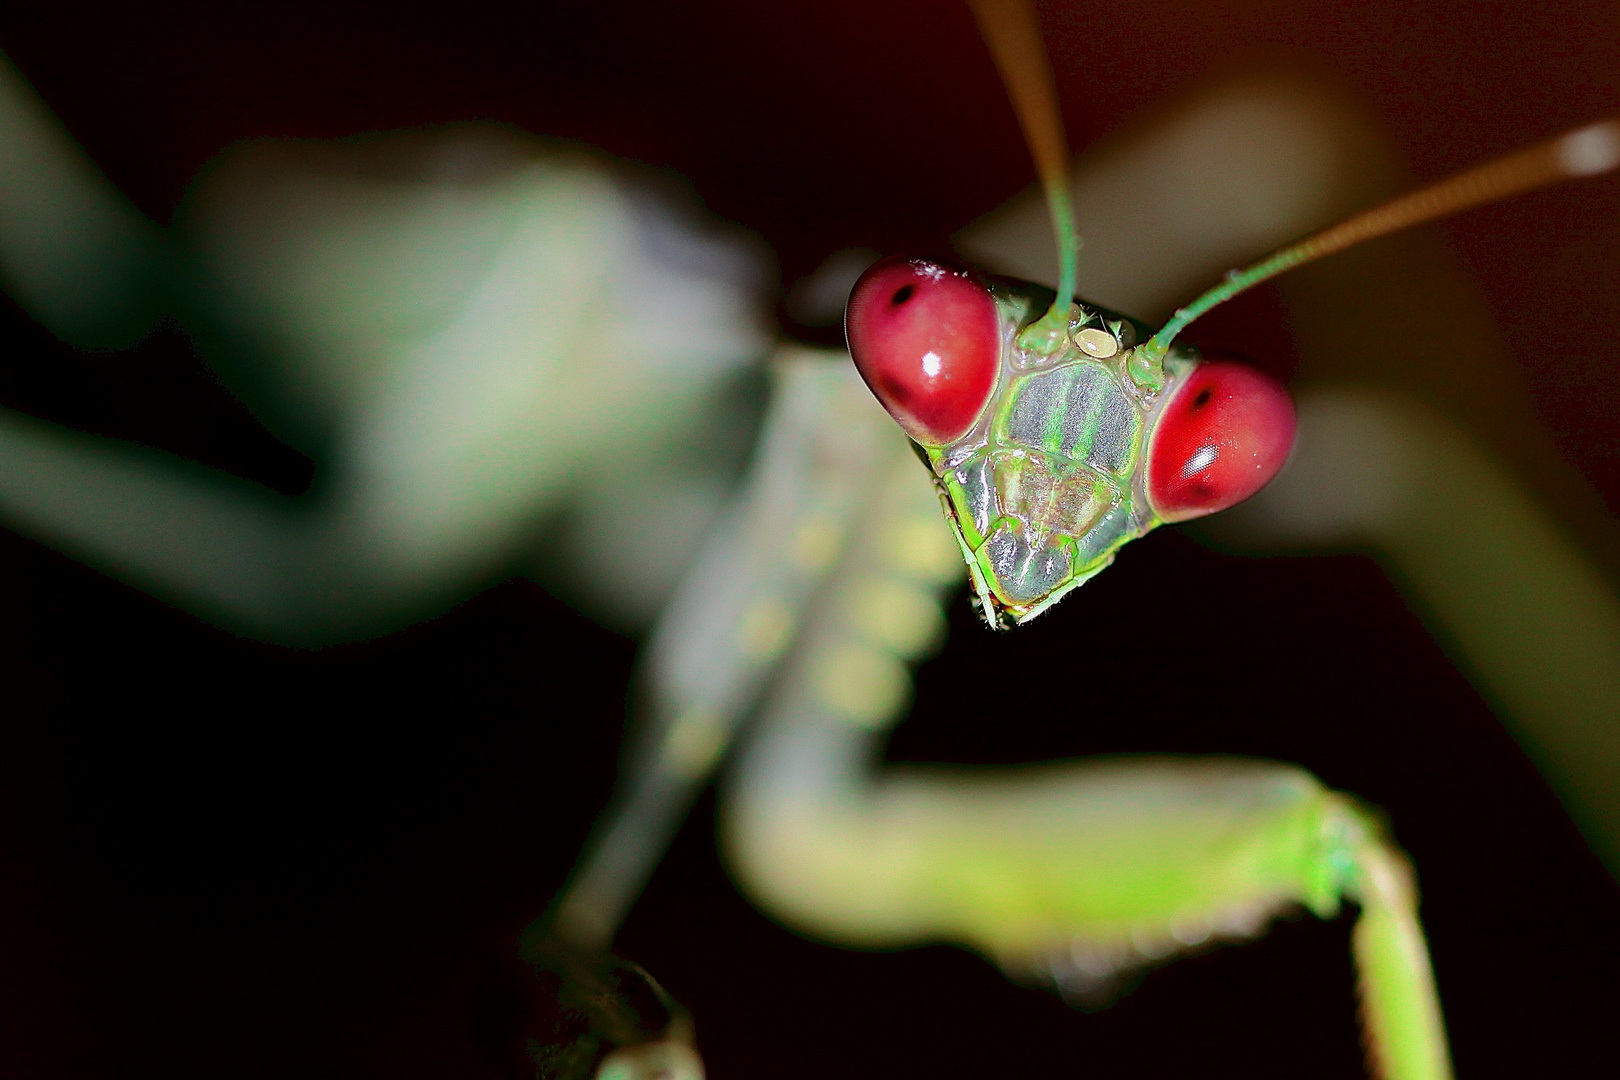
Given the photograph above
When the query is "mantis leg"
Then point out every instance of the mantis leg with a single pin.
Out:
(723, 637)
(461, 350)
(73, 251)
(1073, 873)
(1519, 605)
(737, 613)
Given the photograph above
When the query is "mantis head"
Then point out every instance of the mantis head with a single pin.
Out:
(1055, 438)
(1052, 451)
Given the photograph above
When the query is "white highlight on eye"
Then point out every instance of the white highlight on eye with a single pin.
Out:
(1593, 149)
(931, 363)
(929, 270)
(1203, 459)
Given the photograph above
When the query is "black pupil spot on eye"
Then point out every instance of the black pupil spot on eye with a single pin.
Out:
(901, 295)
(1203, 398)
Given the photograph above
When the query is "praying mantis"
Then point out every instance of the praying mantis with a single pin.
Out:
(1021, 418)
(1031, 632)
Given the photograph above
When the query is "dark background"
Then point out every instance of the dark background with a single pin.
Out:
(219, 858)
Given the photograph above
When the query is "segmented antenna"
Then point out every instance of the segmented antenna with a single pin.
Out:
(1010, 29)
(1587, 151)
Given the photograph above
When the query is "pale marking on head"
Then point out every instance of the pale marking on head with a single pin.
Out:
(1095, 342)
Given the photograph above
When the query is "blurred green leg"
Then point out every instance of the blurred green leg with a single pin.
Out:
(1400, 1008)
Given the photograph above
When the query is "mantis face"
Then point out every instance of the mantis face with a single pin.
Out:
(1049, 458)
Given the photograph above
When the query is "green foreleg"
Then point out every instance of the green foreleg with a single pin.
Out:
(1400, 1008)
(1072, 872)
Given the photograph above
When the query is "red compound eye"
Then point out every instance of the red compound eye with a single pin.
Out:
(1220, 439)
(926, 339)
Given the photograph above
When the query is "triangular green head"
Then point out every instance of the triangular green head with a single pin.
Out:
(1051, 454)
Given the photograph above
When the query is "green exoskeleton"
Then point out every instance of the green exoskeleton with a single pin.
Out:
(1050, 459)
(1050, 441)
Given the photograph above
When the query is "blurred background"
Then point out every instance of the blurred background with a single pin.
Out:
(225, 858)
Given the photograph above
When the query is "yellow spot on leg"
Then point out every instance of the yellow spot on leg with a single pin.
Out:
(765, 629)
(866, 686)
(816, 543)
(924, 548)
(695, 743)
(898, 616)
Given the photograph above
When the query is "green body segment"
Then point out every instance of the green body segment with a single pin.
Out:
(1047, 486)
